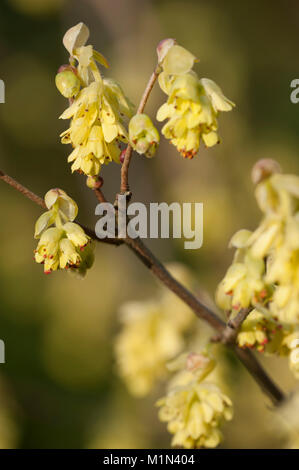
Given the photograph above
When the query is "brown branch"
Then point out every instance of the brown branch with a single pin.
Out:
(236, 322)
(259, 375)
(201, 310)
(22, 189)
(159, 270)
(99, 195)
(233, 326)
(124, 185)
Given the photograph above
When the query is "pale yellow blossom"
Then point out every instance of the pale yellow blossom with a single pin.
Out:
(64, 245)
(192, 106)
(194, 408)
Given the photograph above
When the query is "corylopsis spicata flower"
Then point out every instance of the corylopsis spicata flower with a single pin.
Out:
(192, 106)
(62, 244)
(194, 408)
(97, 112)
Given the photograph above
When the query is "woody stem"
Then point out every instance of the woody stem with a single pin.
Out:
(124, 185)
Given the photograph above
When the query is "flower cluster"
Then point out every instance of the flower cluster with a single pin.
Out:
(97, 109)
(62, 244)
(265, 272)
(193, 104)
(193, 407)
(152, 334)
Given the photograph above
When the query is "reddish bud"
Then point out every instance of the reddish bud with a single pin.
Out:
(122, 156)
(69, 67)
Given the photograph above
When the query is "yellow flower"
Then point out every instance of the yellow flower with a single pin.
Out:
(65, 245)
(265, 270)
(97, 128)
(47, 251)
(143, 135)
(95, 132)
(243, 284)
(191, 112)
(59, 248)
(194, 409)
(193, 105)
(261, 332)
(76, 234)
(68, 256)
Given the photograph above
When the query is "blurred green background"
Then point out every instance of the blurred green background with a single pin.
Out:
(59, 387)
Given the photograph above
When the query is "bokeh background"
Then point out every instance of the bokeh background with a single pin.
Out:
(59, 387)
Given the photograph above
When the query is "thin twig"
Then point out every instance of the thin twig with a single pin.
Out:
(159, 270)
(99, 195)
(22, 189)
(124, 186)
(230, 333)
(259, 374)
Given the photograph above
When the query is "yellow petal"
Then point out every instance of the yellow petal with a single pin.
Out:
(75, 37)
(214, 92)
(210, 139)
(178, 60)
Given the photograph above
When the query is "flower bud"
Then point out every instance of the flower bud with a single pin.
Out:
(143, 135)
(199, 364)
(196, 361)
(263, 169)
(94, 182)
(70, 67)
(163, 47)
(67, 83)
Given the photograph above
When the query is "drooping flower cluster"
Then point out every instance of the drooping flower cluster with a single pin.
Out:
(267, 279)
(193, 104)
(151, 335)
(62, 244)
(193, 407)
(98, 109)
